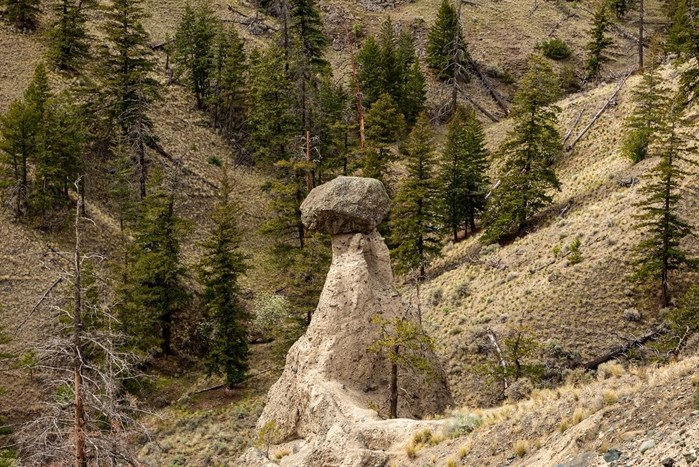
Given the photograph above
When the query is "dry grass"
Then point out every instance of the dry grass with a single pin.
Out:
(521, 447)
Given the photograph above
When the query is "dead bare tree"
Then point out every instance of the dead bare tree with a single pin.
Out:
(82, 365)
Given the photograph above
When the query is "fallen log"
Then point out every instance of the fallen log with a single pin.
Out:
(651, 336)
(572, 128)
(600, 112)
(481, 109)
(493, 93)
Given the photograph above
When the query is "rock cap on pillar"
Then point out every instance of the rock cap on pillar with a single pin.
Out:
(346, 205)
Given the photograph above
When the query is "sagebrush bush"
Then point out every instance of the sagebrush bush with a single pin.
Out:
(555, 49)
(462, 424)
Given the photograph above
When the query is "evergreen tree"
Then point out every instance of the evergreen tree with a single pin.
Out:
(307, 24)
(462, 179)
(598, 43)
(621, 7)
(384, 122)
(154, 293)
(18, 128)
(391, 69)
(651, 99)
(369, 71)
(412, 89)
(532, 146)
(271, 116)
(221, 266)
(660, 251)
(447, 54)
(58, 161)
(230, 91)
(19, 143)
(683, 39)
(127, 86)
(69, 41)
(22, 14)
(384, 126)
(194, 49)
(414, 224)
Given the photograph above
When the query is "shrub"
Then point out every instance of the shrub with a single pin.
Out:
(521, 447)
(635, 145)
(555, 49)
(574, 249)
(463, 424)
(569, 79)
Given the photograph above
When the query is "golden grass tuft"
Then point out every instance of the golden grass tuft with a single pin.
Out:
(521, 447)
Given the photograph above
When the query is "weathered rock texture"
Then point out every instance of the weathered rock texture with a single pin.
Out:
(345, 205)
(331, 380)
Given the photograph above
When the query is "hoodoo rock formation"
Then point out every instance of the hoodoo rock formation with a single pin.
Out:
(325, 403)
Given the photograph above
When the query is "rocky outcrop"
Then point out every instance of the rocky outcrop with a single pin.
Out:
(332, 383)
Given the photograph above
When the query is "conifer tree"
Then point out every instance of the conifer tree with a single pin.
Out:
(598, 43)
(384, 126)
(391, 70)
(463, 181)
(18, 128)
(58, 161)
(532, 146)
(22, 14)
(447, 53)
(369, 71)
(19, 139)
(128, 87)
(194, 49)
(154, 293)
(683, 39)
(220, 267)
(651, 99)
(307, 24)
(414, 224)
(69, 41)
(270, 117)
(412, 89)
(384, 122)
(660, 251)
(230, 91)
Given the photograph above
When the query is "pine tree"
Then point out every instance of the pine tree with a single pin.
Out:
(19, 130)
(683, 39)
(229, 89)
(463, 180)
(598, 43)
(531, 148)
(154, 293)
(369, 71)
(447, 54)
(412, 88)
(69, 40)
(194, 49)
(307, 24)
(271, 116)
(220, 267)
(22, 14)
(414, 224)
(384, 126)
(621, 7)
(58, 161)
(384, 122)
(660, 252)
(642, 126)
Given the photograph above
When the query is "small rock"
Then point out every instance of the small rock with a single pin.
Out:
(629, 435)
(690, 456)
(668, 462)
(647, 444)
(612, 455)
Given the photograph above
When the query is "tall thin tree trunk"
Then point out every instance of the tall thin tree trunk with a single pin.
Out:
(79, 422)
(357, 93)
(641, 20)
(393, 412)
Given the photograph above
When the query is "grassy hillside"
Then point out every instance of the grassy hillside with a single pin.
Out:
(472, 290)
